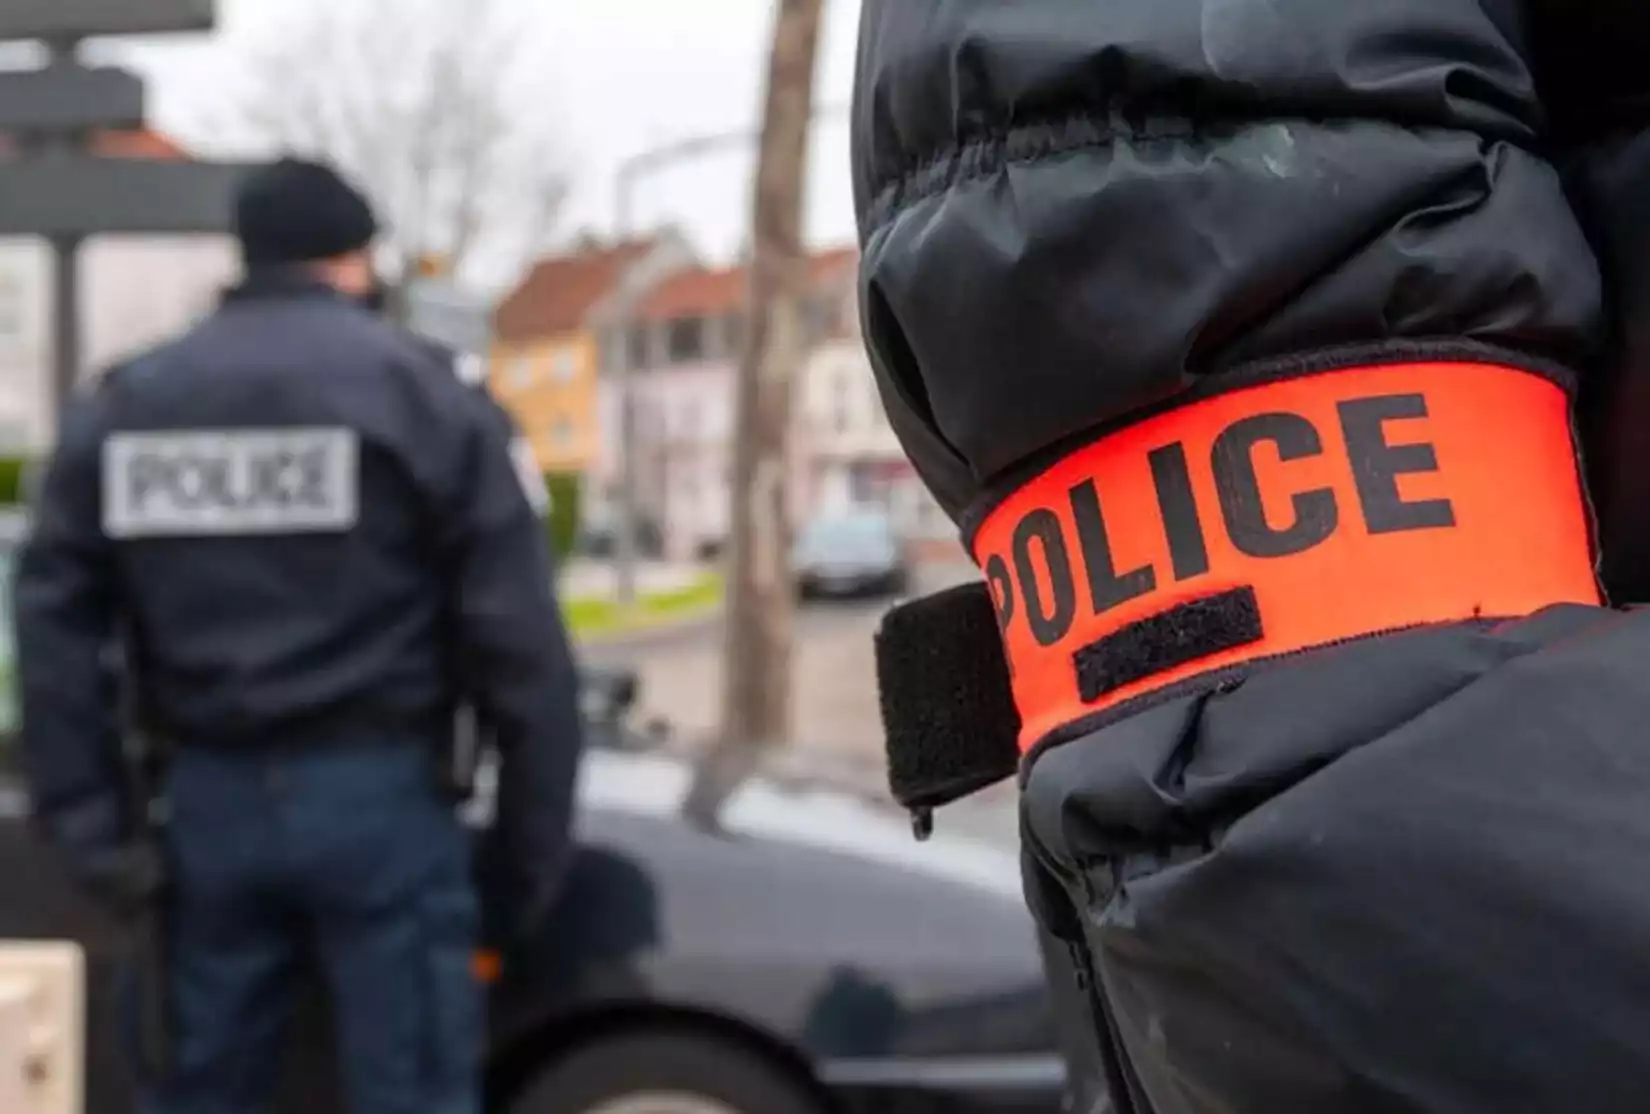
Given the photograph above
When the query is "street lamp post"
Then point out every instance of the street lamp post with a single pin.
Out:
(630, 174)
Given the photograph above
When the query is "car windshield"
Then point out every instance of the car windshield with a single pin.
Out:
(846, 536)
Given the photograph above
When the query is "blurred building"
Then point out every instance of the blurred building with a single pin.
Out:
(135, 292)
(685, 338)
(852, 458)
(550, 334)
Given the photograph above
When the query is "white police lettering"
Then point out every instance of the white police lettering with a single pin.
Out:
(209, 483)
(532, 480)
(470, 368)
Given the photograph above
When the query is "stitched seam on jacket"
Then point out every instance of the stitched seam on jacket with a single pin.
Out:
(969, 160)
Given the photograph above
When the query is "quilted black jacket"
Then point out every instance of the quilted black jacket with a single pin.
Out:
(1397, 871)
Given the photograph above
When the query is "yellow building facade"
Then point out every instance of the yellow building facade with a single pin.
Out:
(549, 385)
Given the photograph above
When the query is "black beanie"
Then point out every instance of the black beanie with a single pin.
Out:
(295, 211)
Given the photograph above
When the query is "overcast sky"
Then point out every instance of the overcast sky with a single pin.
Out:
(626, 75)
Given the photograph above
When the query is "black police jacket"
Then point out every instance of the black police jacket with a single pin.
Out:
(1243, 340)
(309, 529)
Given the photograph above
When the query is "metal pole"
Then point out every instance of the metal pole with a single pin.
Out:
(65, 320)
(625, 528)
(65, 271)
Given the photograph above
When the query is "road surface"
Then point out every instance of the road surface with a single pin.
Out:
(837, 725)
(834, 673)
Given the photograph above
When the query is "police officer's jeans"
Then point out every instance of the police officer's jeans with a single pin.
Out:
(344, 854)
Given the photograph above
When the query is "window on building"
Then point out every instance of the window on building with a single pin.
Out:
(820, 319)
(520, 372)
(685, 340)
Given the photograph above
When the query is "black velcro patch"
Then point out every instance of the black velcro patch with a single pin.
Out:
(1184, 633)
(947, 707)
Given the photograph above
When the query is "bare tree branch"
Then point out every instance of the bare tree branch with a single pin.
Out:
(424, 104)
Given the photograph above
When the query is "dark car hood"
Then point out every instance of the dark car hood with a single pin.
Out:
(820, 819)
(814, 916)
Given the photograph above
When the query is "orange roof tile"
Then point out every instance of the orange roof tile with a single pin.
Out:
(559, 292)
(696, 292)
(137, 145)
(705, 292)
(142, 144)
(827, 264)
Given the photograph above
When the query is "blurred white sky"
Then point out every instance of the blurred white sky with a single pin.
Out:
(626, 75)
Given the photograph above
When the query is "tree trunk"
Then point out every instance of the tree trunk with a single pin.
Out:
(756, 662)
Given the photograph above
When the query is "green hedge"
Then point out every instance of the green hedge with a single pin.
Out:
(12, 471)
(563, 525)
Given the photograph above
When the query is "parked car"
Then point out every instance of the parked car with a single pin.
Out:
(810, 959)
(597, 535)
(849, 553)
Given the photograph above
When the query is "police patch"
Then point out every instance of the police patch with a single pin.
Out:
(470, 368)
(532, 480)
(207, 483)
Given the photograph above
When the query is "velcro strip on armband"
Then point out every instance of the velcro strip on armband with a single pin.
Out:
(1172, 638)
(948, 710)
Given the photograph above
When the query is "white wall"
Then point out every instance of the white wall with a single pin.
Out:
(135, 292)
(840, 407)
(138, 291)
(25, 343)
(685, 440)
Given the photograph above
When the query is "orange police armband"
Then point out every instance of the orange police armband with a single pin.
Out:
(1280, 517)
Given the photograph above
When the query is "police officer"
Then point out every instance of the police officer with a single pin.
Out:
(311, 541)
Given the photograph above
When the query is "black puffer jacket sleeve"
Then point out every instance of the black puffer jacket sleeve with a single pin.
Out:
(1590, 61)
(1116, 257)
(1072, 210)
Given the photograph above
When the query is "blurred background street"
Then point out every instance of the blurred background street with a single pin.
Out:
(631, 224)
(839, 734)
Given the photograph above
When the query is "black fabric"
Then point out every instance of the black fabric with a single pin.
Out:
(947, 710)
(1182, 634)
(1590, 57)
(295, 211)
(1070, 211)
(1403, 875)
